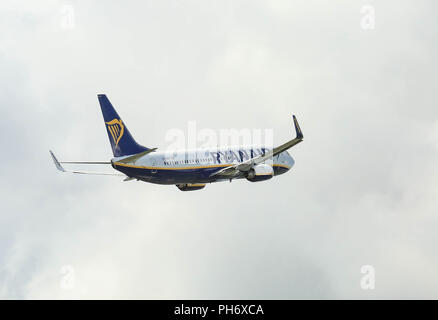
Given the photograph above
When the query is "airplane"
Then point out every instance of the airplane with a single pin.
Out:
(187, 169)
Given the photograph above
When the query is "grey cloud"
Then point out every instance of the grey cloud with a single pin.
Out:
(362, 191)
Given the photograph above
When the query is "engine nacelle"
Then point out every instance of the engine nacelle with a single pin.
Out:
(190, 186)
(260, 172)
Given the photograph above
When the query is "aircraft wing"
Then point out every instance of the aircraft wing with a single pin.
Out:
(61, 168)
(238, 170)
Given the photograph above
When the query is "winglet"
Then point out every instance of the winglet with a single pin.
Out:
(57, 164)
(297, 128)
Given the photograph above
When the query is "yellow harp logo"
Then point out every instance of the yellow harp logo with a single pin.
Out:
(116, 128)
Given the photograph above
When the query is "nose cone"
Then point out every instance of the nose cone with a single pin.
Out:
(290, 161)
(284, 164)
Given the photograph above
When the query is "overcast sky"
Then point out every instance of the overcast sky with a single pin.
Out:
(363, 190)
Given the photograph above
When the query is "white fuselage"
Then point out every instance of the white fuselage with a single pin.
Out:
(184, 166)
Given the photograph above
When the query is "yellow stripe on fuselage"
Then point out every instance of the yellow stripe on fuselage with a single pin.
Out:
(173, 168)
(184, 168)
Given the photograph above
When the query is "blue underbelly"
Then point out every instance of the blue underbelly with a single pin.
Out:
(172, 176)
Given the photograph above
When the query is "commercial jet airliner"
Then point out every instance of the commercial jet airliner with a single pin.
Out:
(187, 169)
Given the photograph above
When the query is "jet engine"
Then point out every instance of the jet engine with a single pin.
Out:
(260, 172)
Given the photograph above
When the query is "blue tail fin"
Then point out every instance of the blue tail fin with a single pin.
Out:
(122, 142)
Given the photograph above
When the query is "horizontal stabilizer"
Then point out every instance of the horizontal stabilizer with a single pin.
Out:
(57, 164)
(85, 162)
(61, 168)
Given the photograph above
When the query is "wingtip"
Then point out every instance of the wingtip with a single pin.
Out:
(297, 128)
